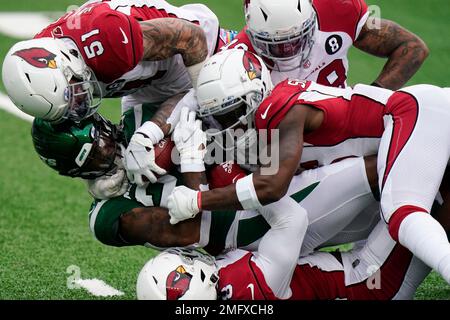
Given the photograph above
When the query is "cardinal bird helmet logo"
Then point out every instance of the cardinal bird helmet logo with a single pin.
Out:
(252, 65)
(177, 283)
(38, 57)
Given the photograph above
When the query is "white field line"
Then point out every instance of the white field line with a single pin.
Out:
(7, 105)
(23, 25)
(98, 288)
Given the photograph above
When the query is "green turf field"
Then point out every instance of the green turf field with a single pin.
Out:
(43, 217)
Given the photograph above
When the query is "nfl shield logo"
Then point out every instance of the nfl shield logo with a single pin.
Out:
(307, 64)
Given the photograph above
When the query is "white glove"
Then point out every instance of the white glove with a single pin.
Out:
(106, 187)
(139, 157)
(190, 141)
(182, 204)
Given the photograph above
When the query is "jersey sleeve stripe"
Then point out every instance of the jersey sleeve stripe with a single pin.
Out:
(93, 216)
(363, 16)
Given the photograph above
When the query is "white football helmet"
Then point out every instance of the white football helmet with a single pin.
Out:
(178, 274)
(46, 79)
(281, 30)
(231, 86)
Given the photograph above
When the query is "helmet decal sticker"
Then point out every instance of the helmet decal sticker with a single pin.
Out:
(252, 65)
(177, 283)
(38, 57)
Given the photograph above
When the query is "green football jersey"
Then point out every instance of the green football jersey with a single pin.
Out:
(220, 230)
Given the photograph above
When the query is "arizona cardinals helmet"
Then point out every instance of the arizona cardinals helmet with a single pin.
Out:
(281, 30)
(46, 79)
(178, 274)
(231, 86)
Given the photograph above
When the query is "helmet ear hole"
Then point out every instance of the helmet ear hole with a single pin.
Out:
(286, 39)
(202, 275)
(74, 53)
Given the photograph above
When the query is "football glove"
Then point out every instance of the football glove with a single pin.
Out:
(107, 187)
(190, 141)
(183, 204)
(139, 157)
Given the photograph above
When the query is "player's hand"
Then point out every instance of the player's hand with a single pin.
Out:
(183, 204)
(107, 187)
(190, 141)
(139, 160)
(139, 157)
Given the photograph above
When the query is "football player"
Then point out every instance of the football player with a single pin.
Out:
(92, 149)
(412, 154)
(128, 220)
(380, 270)
(143, 50)
(306, 39)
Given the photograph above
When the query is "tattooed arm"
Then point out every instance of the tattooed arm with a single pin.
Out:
(164, 112)
(405, 51)
(165, 37)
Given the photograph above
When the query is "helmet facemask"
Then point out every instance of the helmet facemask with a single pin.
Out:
(233, 122)
(232, 85)
(282, 32)
(285, 48)
(88, 150)
(99, 157)
(83, 95)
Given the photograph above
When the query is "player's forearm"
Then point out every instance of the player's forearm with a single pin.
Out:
(165, 111)
(402, 64)
(166, 37)
(151, 225)
(220, 199)
(194, 180)
(405, 51)
(250, 193)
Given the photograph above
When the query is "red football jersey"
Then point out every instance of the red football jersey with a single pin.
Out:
(323, 278)
(242, 279)
(348, 113)
(224, 174)
(110, 41)
(353, 119)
